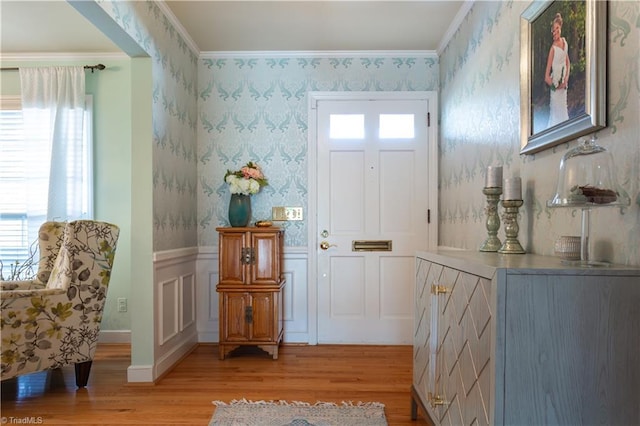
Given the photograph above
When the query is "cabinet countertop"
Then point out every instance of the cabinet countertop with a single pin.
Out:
(249, 228)
(486, 264)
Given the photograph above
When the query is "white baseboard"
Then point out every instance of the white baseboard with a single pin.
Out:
(114, 336)
(208, 337)
(173, 357)
(140, 374)
(295, 337)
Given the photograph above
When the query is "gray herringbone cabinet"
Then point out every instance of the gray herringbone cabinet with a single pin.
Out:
(525, 339)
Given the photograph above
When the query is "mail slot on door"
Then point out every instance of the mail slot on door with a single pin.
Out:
(371, 245)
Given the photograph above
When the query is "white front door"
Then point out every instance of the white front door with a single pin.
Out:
(372, 207)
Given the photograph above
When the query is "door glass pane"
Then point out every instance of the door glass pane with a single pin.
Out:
(396, 126)
(346, 126)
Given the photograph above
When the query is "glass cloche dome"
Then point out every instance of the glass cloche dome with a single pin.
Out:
(587, 178)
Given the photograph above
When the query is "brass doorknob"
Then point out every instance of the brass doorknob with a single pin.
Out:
(325, 245)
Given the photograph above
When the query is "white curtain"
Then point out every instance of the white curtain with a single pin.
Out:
(53, 103)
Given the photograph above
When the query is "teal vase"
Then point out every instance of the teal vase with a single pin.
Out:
(239, 210)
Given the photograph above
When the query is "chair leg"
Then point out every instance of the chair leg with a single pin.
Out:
(82, 373)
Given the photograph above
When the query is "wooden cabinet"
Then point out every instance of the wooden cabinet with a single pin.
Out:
(250, 288)
(524, 339)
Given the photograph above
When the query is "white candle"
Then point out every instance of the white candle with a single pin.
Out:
(494, 177)
(513, 189)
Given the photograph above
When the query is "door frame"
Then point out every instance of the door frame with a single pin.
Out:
(312, 181)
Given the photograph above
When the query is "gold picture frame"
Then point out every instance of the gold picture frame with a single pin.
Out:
(548, 116)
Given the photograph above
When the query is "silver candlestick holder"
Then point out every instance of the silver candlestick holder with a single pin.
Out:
(492, 243)
(510, 218)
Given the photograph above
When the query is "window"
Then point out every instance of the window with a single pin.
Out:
(18, 229)
(397, 126)
(346, 126)
(391, 126)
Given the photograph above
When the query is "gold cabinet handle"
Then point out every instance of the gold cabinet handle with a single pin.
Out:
(436, 400)
(439, 289)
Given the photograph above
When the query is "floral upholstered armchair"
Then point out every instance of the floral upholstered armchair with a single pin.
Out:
(54, 320)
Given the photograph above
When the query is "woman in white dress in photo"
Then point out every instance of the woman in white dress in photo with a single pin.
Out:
(557, 74)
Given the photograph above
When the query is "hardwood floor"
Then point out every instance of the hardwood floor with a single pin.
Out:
(184, 396)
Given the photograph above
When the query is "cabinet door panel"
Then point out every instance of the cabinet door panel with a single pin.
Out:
(232, 270)
(235, 327)
(422, 329)
(263, 326)
(451, 414)
(267, 249)
(464, 351)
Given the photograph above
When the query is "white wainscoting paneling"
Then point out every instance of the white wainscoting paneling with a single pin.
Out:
(207, 297)
(168, 308)
(296, 327)
(175, 307)
(188, 305)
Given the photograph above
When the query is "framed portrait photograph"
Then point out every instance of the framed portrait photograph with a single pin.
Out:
(563, 66)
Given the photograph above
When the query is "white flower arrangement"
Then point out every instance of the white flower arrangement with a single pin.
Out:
(248, 180)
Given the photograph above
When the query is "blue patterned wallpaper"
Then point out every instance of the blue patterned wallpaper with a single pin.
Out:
(480, 119)
(255, 109)
(174, 115)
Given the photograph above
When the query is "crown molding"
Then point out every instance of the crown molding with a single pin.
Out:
(319, 54)
(455, 24)
(179, 27)
(62, 56)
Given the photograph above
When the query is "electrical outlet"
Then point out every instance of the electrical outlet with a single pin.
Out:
(122, 304)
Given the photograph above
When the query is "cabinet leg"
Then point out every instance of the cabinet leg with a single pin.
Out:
(414, 408)
(225, 349)
(270, 349)
(418, 408)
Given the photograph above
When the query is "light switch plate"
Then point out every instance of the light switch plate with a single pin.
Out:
(293, 213)
(277, 213)
(286, 213)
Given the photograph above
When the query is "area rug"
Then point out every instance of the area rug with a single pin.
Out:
(296, 413)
